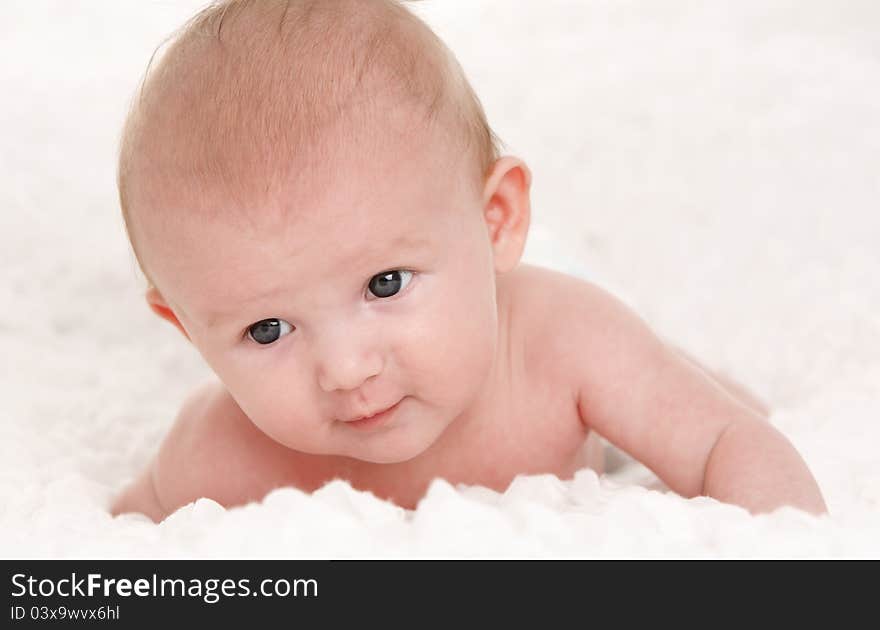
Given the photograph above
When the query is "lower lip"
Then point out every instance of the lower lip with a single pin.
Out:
(375, 421)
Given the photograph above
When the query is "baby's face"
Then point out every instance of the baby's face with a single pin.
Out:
(338, 299)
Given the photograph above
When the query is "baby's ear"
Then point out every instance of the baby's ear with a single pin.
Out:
(160, 307)
(507, 210)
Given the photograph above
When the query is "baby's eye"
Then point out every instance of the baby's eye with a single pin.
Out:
(268, 331)
(386, 284)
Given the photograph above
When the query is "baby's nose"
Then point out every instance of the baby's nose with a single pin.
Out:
(346, 364)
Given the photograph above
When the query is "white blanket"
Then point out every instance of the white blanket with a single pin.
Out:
(715, 164)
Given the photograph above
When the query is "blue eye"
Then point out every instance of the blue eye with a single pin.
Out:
(385, 285)
(268, 331)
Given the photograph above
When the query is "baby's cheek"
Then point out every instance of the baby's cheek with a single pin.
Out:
(457, 355)
(285, 428)
(480, 348)
(264, 405)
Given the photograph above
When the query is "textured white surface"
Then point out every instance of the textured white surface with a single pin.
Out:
(714, 163)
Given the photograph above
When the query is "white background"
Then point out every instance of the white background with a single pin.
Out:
(713, 163)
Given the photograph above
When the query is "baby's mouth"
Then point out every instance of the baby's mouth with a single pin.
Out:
(374, 419)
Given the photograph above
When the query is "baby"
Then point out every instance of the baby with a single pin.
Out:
(318, 203)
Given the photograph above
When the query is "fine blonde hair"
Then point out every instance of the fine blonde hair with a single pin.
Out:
(245, 85)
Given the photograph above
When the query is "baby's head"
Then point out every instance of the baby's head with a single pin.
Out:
(316, 199)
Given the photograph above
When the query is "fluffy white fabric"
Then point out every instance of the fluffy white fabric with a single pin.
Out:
(714, 163)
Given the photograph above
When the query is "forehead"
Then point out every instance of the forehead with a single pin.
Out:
(335, 214)
(364, 164)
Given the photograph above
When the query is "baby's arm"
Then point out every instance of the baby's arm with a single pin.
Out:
(170, 476)
(213, 450)
(653, 403)
(140, 497)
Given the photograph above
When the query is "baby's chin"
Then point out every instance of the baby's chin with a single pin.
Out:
(386, 456)
(392, 447)
(388, 453)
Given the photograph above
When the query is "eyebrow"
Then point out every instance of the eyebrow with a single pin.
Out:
(212, 318)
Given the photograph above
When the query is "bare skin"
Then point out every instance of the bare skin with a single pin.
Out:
(499, 368)
(520, 425)
(370, 260)
(526, 423)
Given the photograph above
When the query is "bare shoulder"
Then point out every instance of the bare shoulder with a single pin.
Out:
(578, 338)
(536, 283)
(556, 312)
(213, 450)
